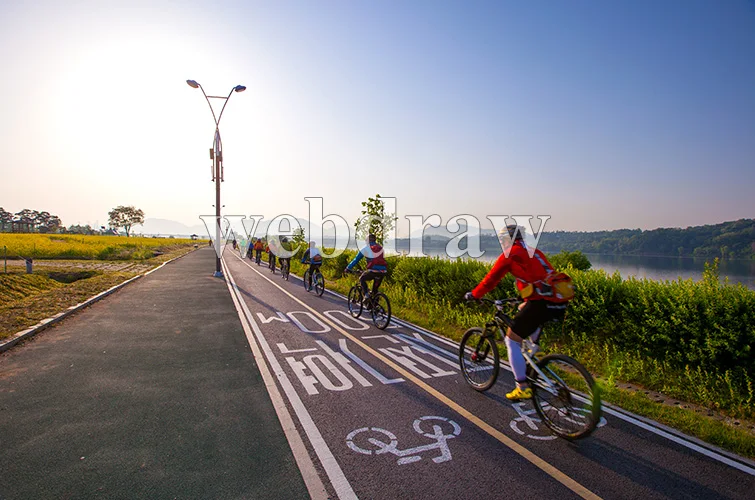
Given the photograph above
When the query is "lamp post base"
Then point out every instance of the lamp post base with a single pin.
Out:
(218, 274)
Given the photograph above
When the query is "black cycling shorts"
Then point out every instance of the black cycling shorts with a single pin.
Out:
(534, 314)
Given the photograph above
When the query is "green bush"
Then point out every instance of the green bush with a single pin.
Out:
(563, 260)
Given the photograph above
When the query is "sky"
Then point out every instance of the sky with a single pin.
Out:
(603, 115)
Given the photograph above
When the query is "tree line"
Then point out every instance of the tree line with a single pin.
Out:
(29, 221)
(728, 240)
(33, 221)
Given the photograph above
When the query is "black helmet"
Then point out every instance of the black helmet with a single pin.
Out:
(372, 237)
(284, 239)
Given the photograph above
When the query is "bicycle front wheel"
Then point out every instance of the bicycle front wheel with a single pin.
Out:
(567, 399)
(305, 280)
(479, 359)
(381, 311)
(355, 301)
(319, 283)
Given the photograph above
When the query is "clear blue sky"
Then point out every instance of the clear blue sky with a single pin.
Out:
(600, 114)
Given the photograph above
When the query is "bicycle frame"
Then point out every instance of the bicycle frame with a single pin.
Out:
(502, 322)
(376, 282)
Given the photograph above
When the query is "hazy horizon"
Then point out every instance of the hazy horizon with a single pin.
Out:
(602, 115)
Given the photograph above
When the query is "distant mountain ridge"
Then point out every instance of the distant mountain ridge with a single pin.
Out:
(729, 240)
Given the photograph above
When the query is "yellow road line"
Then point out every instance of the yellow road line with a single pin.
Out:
(492, 431)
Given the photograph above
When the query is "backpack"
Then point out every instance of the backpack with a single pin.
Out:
(556, 287)
(560, 286)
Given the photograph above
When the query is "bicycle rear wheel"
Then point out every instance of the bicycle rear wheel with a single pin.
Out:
(381, 311)
(319, 283)
(479, 359)
(568, 402)
(285, 270)
(355, 301)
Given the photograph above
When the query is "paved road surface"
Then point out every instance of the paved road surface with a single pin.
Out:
(150, 393)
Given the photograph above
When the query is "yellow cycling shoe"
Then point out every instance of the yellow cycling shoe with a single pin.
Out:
(519, 393)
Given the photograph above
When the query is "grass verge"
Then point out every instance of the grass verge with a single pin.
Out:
(696, 422)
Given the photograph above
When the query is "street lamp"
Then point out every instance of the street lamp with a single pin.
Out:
(216, 154)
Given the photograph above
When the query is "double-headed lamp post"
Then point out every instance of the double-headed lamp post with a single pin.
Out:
(216, 154)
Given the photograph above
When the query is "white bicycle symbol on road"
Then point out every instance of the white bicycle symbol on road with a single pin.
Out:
(531, 422)
(409, 455)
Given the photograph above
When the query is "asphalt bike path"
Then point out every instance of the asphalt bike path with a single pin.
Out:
(151, 393)
(392, 416)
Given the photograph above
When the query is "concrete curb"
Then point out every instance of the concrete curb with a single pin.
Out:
(45, 323)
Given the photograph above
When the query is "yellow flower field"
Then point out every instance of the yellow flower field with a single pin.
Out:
(70, 246)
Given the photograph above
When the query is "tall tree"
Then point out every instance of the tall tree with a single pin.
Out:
(125, 217)
(299, 239)
(41, 220)
(374, 220)
(25, 220)
(48, 223)
(5, 219)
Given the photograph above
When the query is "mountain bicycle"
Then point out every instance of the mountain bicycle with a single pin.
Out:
(314, 280)
(285, 268)
(377, 303)
(564, 393)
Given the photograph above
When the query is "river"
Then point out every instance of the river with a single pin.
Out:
(672, 268)
(660, 268)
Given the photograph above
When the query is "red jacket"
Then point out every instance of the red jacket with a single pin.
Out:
(525, 269)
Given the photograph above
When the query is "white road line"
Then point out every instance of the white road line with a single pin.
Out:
(311, 479)
(682, 441)
(332, 469)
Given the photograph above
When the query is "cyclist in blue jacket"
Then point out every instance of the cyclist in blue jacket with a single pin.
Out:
(377, 267)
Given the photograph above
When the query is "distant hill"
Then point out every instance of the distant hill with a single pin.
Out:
(730, 240)
(164, 227)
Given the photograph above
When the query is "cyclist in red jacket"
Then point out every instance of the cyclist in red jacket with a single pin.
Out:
(536, 309)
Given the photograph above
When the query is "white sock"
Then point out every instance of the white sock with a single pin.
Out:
(516, 360)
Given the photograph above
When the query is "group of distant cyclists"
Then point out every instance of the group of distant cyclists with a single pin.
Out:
(280, 249)
(529, 267)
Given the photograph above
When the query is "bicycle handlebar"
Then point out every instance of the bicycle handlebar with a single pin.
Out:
(500, 303)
